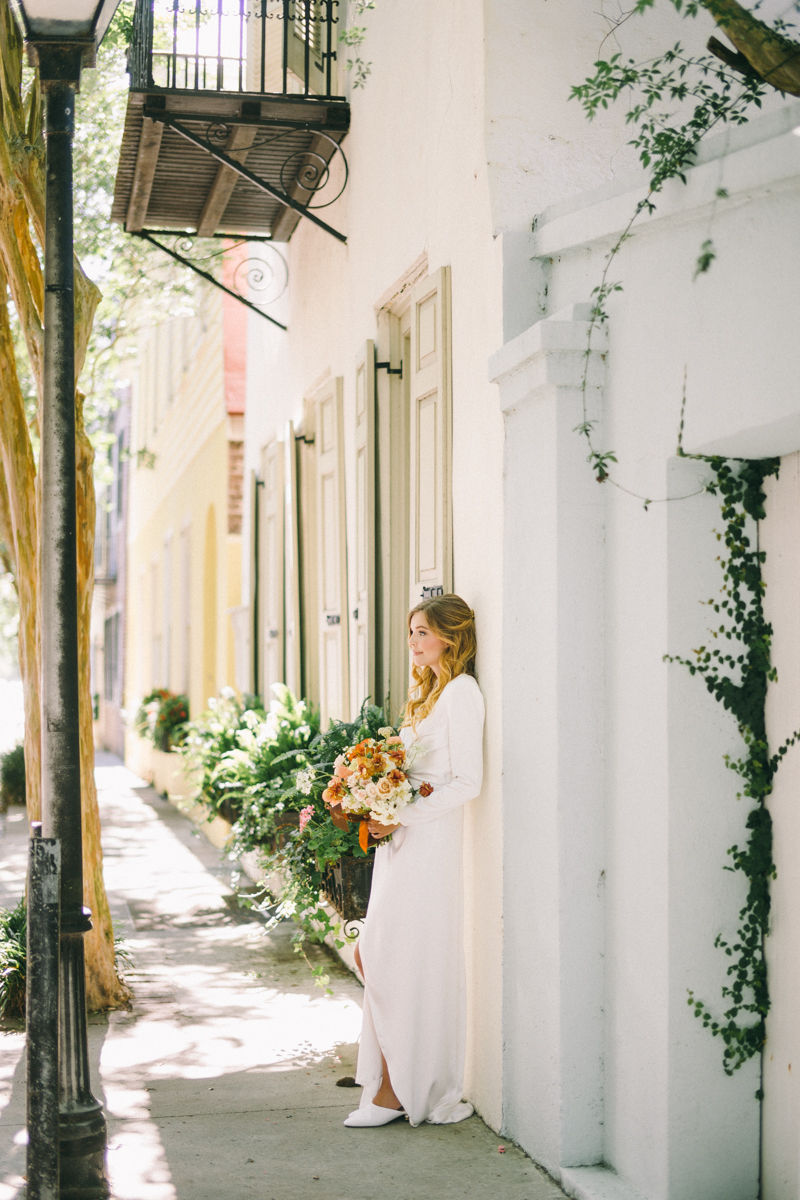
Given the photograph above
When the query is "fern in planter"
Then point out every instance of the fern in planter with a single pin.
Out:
(318, 845)
(258, 771)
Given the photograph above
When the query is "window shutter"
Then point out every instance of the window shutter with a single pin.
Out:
(331, 555)
(292, 562)
(272, 538)
(430, 567)
(305, 50)
(363, 611)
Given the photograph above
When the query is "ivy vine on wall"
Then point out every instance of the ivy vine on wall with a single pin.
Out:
(722, 87)
(736, 671)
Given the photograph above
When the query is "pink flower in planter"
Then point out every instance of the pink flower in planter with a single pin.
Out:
(305, 816)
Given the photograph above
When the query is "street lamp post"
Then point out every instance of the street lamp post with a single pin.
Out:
(62, 36)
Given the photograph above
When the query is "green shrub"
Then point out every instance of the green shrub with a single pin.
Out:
(161, 718)
(12, 960)
(12, 777)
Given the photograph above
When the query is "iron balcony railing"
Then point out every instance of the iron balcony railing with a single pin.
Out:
(272, 47)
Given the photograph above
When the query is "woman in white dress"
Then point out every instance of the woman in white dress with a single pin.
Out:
(411, 952)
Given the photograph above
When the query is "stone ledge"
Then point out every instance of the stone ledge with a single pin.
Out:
(597, 1183)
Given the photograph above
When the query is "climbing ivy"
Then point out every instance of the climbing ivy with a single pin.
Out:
(736, 671)
(705, 92)
(675, 100)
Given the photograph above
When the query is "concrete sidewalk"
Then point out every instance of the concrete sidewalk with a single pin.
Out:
(220, 1083)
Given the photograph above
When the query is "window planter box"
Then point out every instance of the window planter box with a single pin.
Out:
(347, 886)
(285, 823)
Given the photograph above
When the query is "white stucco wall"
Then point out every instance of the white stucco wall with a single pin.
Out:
(673, 1125)
(594, 856)
(418, 183)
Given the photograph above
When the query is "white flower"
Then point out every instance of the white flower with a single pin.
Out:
(386, 732)
(304, 779)
(227, 693)
(246, 739)
(251, 719)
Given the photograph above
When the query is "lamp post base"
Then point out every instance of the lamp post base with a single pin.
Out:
(82, 1149)
(81, 1123)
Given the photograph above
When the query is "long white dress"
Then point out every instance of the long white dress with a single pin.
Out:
(412, 943)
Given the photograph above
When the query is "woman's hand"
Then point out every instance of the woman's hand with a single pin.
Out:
(380, 831)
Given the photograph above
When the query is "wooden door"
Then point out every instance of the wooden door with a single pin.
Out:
(362, 664)
(271, 583)
(332, 555)
(430, 518)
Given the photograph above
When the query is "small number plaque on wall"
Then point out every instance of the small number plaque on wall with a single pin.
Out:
(429, 592)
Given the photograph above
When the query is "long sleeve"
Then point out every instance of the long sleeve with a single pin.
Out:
(465, 717)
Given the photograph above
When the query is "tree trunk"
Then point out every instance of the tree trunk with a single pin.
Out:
(22, 218)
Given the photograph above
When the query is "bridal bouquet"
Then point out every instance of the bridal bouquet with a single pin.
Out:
(370, 782)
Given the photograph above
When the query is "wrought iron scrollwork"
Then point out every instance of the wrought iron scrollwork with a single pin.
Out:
(304, 168)
(257, 281)
(263, 278)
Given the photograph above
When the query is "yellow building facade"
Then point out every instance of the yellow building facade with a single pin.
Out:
(185, 512)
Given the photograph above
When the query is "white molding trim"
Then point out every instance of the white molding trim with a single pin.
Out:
(597, 1183)
(544, 355)
(761, 156)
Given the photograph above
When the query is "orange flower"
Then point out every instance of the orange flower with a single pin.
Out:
(333, 792)
(363, 835)
(425, 789)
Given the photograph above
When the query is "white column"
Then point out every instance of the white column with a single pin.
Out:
(553, 745)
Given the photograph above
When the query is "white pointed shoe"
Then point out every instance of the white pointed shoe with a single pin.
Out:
(373, 1115)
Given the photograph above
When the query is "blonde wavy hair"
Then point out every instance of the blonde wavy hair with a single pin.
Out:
(452, 620)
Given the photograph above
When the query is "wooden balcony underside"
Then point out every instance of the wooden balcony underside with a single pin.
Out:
(166, 182)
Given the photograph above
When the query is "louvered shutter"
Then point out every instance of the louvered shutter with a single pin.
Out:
(362, 665)
(430, 567)
(272, 548)
(292, 562)
(331, 555)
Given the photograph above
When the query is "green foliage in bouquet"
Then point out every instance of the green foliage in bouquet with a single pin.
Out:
(162, 717)
(12, 777)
